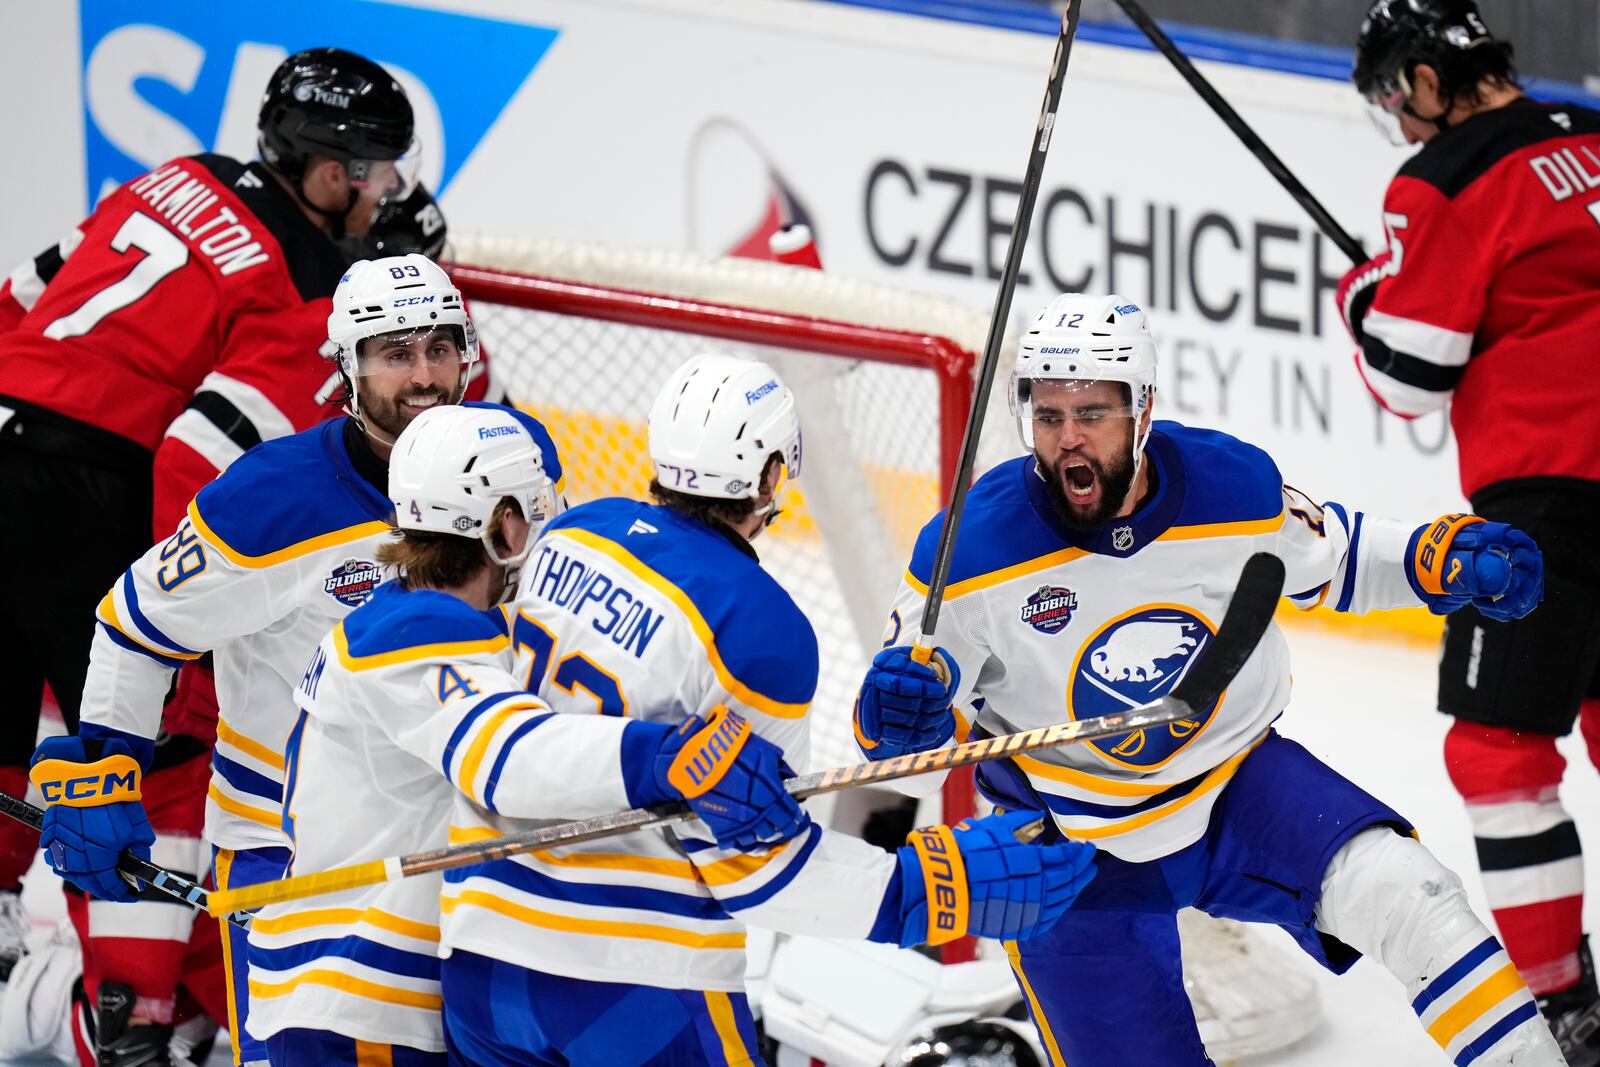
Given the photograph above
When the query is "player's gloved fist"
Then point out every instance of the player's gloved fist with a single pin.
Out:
(1356, 290)
(92, 813)
(904, 706)
(732, 778)
(1461, 559)
(978, 878)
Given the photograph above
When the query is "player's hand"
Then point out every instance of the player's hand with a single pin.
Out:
(1006, 888)
(1494, 567)
(1356, 290)
(92, 813)
(732, 778)
(904, 706)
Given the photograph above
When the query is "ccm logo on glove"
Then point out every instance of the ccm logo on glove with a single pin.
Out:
(113, 779)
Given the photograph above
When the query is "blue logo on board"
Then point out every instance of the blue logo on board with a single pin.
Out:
(171, 78)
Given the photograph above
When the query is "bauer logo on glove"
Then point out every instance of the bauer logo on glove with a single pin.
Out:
(77, 785)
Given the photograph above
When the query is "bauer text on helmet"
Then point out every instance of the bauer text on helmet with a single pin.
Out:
(716, 422)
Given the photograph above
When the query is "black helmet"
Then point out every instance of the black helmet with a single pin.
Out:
(333, 102)
(413, 224)
(1448, 35)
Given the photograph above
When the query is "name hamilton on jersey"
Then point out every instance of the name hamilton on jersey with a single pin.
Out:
(188, 204)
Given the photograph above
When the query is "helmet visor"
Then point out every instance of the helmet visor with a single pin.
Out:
(393, 179)
(403, 351)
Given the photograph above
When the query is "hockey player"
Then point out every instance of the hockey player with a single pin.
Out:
(1087, 578)
(270, 554)
(631, 950)
(189, 304)
(1492, 269)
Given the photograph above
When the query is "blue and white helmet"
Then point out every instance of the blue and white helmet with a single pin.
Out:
(395, 294)
(1079, 337)
(715, 423)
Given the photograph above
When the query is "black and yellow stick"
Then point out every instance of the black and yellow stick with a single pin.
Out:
(1249, 612)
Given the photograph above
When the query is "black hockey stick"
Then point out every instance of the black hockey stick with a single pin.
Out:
(923, 650)
(1248, 615)
(1241, 129)
(130, 866)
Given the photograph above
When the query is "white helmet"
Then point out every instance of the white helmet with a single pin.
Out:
(392, 295)
(1078, 337)
(452, 465)
(714, 424)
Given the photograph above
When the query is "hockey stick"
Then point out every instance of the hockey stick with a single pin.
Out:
(1241, 129)
(130, 866)
(1249, 613)
(922, 650)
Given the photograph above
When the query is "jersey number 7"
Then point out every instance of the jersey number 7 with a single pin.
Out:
(164, 252)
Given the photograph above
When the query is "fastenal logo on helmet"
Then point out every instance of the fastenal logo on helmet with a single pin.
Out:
(485, 432)
(753, 395)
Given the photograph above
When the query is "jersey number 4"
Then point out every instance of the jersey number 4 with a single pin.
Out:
(164, 252)
(573, 671)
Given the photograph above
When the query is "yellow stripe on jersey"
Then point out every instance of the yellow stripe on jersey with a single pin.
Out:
(107, 611)
(1242, 528)
(596, 927)
(382, 920)
(371, 1054)
(294, 551)
(480, 746)
(1217, 778)
(242, 810)
(229, 736)
(1091, 782)
(1469, 1009)
(1004, 574)
(442, 650)
(734, 686)
(722, 872)
(344, 983)
(721, 1010)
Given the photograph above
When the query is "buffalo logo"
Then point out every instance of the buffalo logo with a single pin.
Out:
(1122, 538)
(1050, 609)
(353, 581)
(1134, 660)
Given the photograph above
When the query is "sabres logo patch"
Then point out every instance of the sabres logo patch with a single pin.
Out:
(1050, 608)
(352, 582)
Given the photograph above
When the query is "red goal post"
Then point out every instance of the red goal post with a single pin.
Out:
(582, 335)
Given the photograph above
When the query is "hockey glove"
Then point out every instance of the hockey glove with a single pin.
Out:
(979, 879)
(1461, 559)
(904, 706)
(1356, 290)
(92, 813)
(731, 777)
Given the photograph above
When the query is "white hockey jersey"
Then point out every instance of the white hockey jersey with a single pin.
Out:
(632, 609)
(1048, 625)
(274, 552)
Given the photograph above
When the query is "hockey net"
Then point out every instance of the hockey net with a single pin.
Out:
(583, 335)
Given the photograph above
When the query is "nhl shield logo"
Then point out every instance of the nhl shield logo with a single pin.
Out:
(1050, 608)
(351, 583)
(1122, 538)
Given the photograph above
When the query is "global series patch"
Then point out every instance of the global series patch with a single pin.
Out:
(353, 581)
(1050, 608)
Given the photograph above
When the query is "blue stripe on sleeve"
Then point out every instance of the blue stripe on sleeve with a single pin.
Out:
(380, 957)
(122, 640)
(131, 597)
(1347, 592)
(535, 883)
(505, 752)
(1454, 973)
(1486, 1040)
(466, 724)
(245, 780)
(782, 878)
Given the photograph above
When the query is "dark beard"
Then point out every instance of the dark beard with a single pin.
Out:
(1114, 486)
(387, 416)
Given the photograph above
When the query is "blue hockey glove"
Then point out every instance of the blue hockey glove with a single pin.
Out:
(92, 813)
(979, 879)
(1461, 559)
(732, 778)
(904, 706)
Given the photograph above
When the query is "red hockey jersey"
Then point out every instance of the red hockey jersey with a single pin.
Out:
(1491, 295)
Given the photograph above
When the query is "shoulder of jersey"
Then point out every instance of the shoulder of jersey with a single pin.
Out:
(285, 494)
(1461, 155)
(1225, 479)
(397, 619)
(541, 437)
(757, 630)
(999, 528)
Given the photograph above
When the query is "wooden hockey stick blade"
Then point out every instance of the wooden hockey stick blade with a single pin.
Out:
(1247, 618)
(160, 879)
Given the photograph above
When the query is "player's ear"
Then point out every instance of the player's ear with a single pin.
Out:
(326, 175)
(1425, 94)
